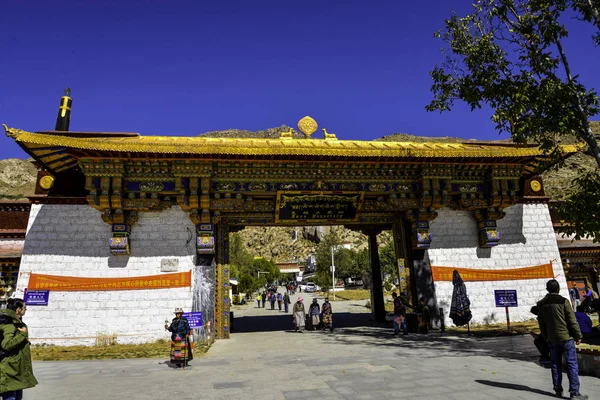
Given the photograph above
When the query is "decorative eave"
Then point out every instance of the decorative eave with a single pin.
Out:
(54, 148)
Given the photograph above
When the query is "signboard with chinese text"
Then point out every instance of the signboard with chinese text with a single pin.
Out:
(506, 298)
(75, 283)
(194, 318)
(36, 297)
(297, 206)
(470, 275)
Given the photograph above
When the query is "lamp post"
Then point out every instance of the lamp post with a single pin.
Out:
(333, 271)
(261, 272)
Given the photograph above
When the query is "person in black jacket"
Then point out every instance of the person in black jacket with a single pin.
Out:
(181, 352)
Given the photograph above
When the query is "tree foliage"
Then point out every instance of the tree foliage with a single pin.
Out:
(510, 55)
(245, 267)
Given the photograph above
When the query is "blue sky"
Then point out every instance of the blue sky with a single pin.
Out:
(360, 68)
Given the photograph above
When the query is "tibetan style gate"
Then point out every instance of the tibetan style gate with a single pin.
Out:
(225, 184)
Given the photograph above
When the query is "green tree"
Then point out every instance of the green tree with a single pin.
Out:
(510, 55)
(323, 259)
(387, 258)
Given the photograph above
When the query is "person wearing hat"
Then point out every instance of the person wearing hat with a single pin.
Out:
(180, 347)
(314, 311)
(299, 315)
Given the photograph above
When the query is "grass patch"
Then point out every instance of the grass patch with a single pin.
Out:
(158, 349)
(516, 328)
(357, 294)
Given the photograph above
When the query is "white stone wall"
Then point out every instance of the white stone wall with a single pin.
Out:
(526, 239)
(72, 240)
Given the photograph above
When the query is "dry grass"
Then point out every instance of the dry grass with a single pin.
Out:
(158, 349)
(516, 328)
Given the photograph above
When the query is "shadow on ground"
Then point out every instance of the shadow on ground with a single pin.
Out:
(512, 386)
(281, 321)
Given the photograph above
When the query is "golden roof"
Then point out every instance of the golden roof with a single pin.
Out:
(273, 147)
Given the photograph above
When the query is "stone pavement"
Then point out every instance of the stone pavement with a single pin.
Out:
(359, 360)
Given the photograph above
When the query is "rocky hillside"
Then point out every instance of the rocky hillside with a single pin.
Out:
(17, 178)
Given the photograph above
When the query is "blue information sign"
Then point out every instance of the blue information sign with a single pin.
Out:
(194, 318)
(36, 297)
(506, 298)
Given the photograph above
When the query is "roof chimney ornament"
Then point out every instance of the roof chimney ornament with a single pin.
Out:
(67, 91)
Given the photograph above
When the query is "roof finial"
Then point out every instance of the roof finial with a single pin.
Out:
(67, 91)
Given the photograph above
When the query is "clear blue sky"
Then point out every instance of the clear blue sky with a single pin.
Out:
(360, 68)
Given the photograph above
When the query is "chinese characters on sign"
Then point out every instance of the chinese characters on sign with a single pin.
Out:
(469, 274)
(73, 283)
(318, 206)
(194, 318)
(506, 298)
(36, 297)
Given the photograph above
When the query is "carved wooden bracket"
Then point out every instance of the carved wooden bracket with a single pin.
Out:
(487, 226)
(420, 236)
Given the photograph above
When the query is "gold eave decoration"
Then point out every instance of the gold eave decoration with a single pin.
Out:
(535, 186)
(275, 147)
(308, 126)
(47, 182)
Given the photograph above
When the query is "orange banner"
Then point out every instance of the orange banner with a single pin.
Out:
(75, 284)
(469, 274)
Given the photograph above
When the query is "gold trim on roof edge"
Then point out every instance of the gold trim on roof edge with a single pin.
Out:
(238, 146)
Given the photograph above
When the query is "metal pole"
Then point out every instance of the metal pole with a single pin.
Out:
(333, 272)
(507, 320)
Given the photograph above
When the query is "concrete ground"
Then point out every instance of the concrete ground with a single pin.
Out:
(265, 359)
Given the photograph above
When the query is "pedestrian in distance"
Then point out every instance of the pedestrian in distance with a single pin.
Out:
(560, 328)
(264, 298)
(575, 296)
(314, 311)
(399, 315)
(286, 302)
(279, 300)
(258, 298)
(16, 372)
(272, 300)
(299, 316)
(327, 315)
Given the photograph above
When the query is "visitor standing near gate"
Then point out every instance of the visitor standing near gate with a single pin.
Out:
(559, 326)
(180, 331)
(399, 315)
(279, 300)
(16, 372)
(286, 302)
(575, 296)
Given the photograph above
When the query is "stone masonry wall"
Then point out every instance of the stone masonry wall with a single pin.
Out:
(72, 240)
(526, 239)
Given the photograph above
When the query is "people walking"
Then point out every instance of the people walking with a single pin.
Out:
(299, 315)
(180, 347)
(559, 326)
(314, 311)
(258, 298)
(327, 313)
(399, 315)
(272, 300)
(16, 372)
(279, 300)
(264, 298)
(286, 302)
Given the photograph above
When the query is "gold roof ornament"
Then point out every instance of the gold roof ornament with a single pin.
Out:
(308, 126)
(329, 136)
(287, 135)
(47, 182)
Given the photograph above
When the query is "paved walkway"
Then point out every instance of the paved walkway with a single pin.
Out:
(356, 361)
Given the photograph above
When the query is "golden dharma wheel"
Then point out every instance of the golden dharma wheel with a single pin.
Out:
(47, 182)
(536, 186)
(308, 126)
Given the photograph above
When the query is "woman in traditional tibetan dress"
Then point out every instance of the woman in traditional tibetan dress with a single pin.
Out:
(327, 313)
(299, 315)
(314, 311)
(180, 331)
